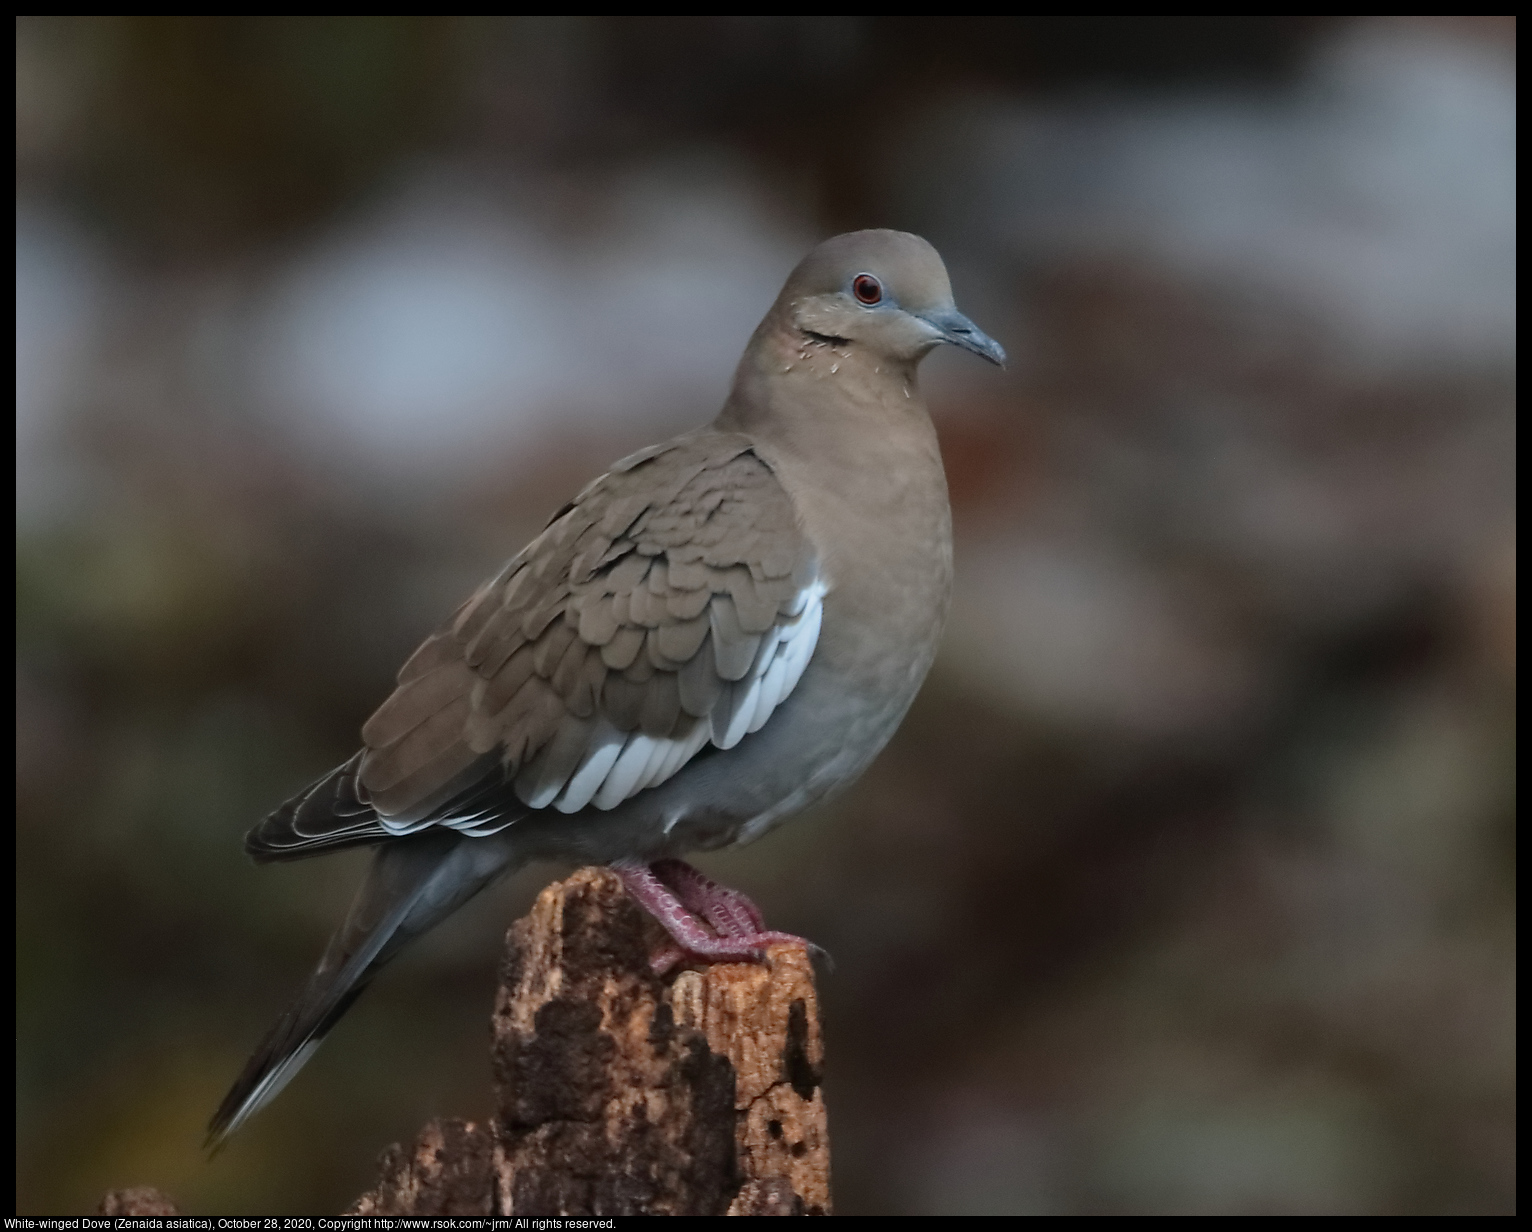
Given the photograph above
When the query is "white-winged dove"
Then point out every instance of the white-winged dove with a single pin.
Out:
(722, 630)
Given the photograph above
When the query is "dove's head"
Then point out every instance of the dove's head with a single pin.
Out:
(883, 291)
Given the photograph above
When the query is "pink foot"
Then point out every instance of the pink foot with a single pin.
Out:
(672, 891)
(730, 913)
(666, 957)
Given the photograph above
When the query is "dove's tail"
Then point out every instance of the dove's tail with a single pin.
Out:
(414, 883)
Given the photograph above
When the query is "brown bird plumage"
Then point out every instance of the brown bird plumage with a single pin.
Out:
(640, 617)
(721, 630)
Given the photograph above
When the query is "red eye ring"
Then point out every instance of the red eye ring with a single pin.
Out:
(867, 289)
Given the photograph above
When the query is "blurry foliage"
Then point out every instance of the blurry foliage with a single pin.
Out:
(1259, 960)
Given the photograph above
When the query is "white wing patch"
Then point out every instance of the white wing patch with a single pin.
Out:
(592, 763)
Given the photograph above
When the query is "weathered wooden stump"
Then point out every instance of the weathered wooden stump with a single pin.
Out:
(621, 1093)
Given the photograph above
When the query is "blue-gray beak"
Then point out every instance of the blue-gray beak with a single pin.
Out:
(960, 331)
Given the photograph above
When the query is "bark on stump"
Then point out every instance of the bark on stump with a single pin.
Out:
(621, 1093)
(446, 1171)
(143, 1200)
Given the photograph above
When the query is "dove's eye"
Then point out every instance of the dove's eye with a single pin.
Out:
(867, 289)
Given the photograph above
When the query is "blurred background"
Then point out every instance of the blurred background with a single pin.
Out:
(1187, 886)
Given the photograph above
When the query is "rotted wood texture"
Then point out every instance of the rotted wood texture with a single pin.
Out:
(445, 1171)
(142, 1200)
(621, 1093)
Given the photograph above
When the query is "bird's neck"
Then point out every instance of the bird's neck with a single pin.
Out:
(828, 399)
(849, 438)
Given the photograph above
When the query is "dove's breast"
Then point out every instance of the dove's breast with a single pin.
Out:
(882, 528)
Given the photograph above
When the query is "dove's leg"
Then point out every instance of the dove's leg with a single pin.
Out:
(731, 913)
(691, 935)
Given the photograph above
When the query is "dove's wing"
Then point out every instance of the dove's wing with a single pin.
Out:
(675, 602)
